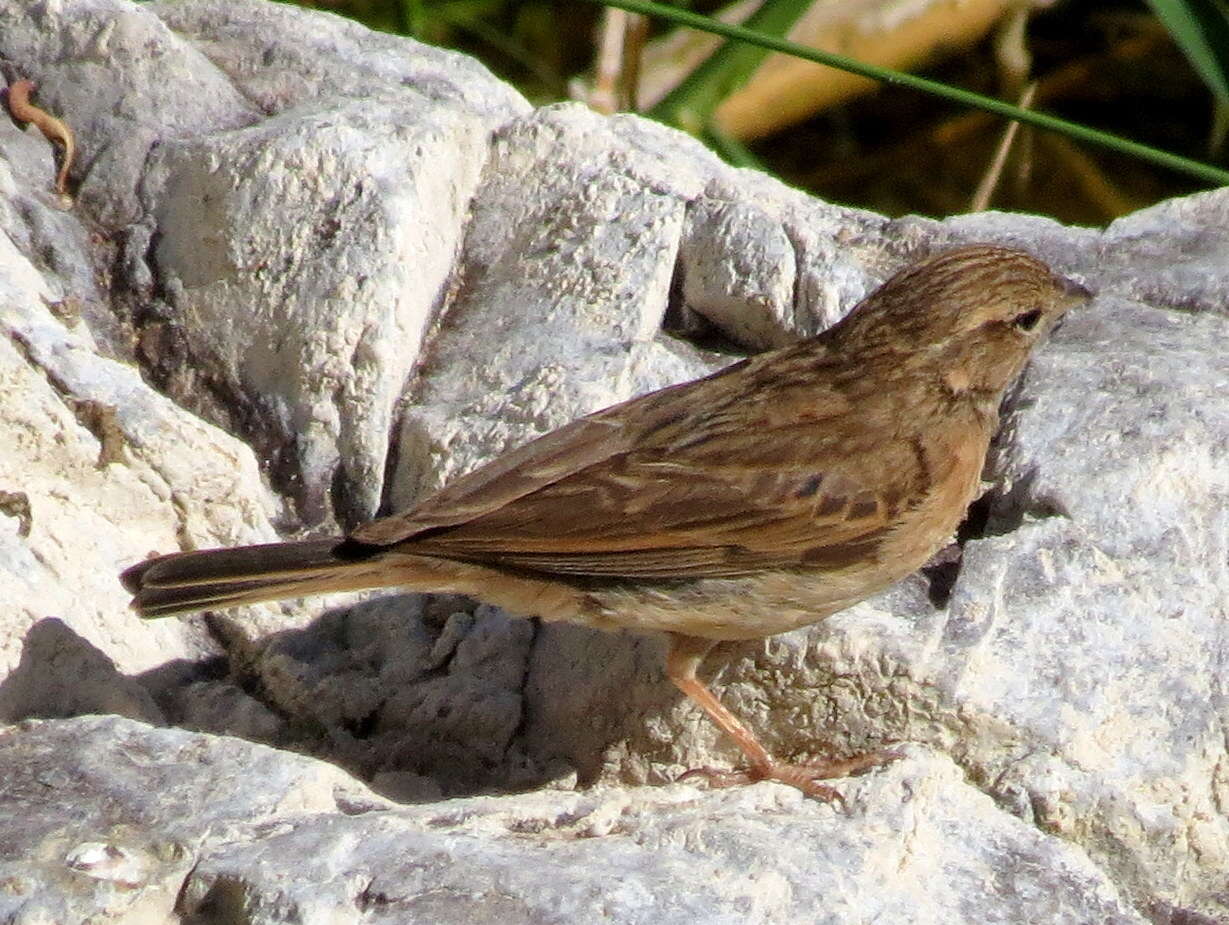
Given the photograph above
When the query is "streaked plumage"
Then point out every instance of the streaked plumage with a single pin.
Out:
(758, 499)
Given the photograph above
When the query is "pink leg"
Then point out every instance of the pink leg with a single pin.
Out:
(686, 653)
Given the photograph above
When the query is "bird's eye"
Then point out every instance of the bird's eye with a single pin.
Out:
(1027, 320)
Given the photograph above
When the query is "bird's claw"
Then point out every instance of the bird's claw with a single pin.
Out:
(805, 776)
(850, 767)
(798, 776)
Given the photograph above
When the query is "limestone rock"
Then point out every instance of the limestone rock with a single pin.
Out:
(371, 267)
(274, 837)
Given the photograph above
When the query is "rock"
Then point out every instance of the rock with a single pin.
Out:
(84, 680)
(371, 181)
(97, 471)
(276, 837)
(223, 706)
(370, 267)
(315, 311)
(105, 835)
(568, 263)
(733, 256)
(568, 308)
(126, 82)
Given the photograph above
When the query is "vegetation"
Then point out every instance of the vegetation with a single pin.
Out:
(1156, 75)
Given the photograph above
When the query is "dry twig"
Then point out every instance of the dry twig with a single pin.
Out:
(54, 130)
(985, 189)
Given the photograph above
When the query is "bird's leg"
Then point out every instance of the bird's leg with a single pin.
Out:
(686, 653)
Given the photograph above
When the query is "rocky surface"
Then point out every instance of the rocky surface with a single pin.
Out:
(311, 845)
(312, 270)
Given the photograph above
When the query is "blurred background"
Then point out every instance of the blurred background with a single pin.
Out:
(1152, 72)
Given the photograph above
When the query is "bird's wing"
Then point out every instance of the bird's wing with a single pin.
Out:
(717, 477)
(635, 515)
(529, 468)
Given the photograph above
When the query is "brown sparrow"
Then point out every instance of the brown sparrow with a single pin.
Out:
(750, 502)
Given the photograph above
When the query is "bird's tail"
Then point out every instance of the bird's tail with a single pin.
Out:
(215, 578)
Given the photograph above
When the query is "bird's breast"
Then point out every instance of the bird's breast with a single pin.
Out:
(953, 466)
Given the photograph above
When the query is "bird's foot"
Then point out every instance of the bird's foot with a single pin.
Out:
(800, 776)
(805, 776)
(849, 767)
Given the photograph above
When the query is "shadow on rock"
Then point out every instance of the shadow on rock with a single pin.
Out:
(420, 696)
(61, 674)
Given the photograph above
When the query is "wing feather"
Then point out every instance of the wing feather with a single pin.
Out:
(691, 481)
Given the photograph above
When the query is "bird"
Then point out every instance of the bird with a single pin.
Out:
(756, 500)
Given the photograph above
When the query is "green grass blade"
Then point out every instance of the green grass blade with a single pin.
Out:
(1201, 29)
(690, 105)
(1206, 172)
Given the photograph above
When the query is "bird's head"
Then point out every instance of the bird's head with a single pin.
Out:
(969, 316)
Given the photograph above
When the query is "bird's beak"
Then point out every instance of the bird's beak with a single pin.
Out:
(1076, 294)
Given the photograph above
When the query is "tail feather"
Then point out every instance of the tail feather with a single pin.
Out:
(215, 578)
